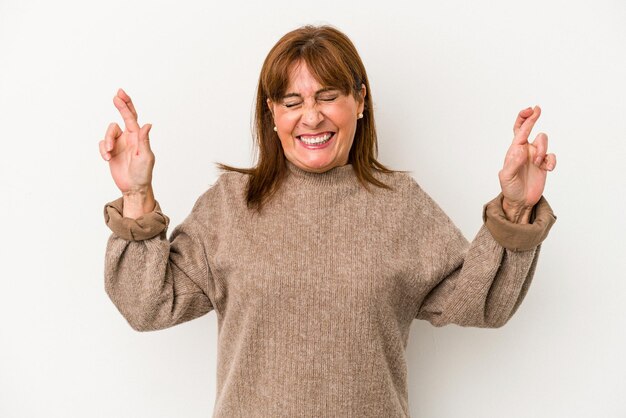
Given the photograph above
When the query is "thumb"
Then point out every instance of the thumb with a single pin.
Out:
(144, 139)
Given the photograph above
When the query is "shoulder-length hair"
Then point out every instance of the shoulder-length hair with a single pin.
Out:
(334, 61)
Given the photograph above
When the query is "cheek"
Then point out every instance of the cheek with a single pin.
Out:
(343, 116)
(286, 122)
(345, 121)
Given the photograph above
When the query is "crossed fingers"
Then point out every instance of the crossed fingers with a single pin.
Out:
(524, 124)
(123, 103)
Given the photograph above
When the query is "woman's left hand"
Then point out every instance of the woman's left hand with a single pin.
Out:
(526, 166)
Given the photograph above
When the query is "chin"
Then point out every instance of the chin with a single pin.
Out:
(320, 165)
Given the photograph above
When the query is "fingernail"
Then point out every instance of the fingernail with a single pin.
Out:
(538, 160)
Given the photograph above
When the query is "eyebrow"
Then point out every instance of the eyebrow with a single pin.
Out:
(325, 89)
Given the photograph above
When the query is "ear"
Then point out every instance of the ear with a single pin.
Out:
(362, 95)
(270, 105)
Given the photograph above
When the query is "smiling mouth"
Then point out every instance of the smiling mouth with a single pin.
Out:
(316, 139)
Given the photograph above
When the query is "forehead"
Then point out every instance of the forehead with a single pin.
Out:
(301, 80)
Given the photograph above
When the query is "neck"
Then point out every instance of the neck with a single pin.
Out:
(336, 175)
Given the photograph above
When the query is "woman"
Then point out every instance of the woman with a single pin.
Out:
(317, 259)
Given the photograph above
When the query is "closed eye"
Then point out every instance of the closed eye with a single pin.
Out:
(328, 98)
(290, 105)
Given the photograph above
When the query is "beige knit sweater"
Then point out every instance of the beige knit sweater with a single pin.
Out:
(315, 296)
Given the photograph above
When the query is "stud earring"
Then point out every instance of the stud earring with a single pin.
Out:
(360, 115)
(275, 129)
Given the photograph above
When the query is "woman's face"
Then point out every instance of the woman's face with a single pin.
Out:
(316, 124)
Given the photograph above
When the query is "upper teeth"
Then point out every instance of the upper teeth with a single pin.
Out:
(316, 139)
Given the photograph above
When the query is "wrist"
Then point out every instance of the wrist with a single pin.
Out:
(138, 202)
(516, 213)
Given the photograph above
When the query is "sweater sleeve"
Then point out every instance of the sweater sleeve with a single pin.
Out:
(482, 283)
(156, 283)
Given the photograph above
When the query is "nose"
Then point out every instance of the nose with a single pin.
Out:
(311, 116)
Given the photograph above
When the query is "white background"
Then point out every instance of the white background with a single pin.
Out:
(447, 79)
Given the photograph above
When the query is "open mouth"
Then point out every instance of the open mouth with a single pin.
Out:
(317, 139)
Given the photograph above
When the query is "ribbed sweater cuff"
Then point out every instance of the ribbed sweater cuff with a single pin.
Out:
(518, 237)
(147, 226)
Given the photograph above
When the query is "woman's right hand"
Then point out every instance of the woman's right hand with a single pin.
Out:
(129, 155)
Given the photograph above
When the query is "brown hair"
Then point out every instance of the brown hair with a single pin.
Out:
(334, 61)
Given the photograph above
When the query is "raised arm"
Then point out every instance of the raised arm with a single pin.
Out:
(483, 282)
(154, 282)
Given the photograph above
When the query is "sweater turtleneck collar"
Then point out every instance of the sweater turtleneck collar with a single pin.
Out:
(337, 175)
